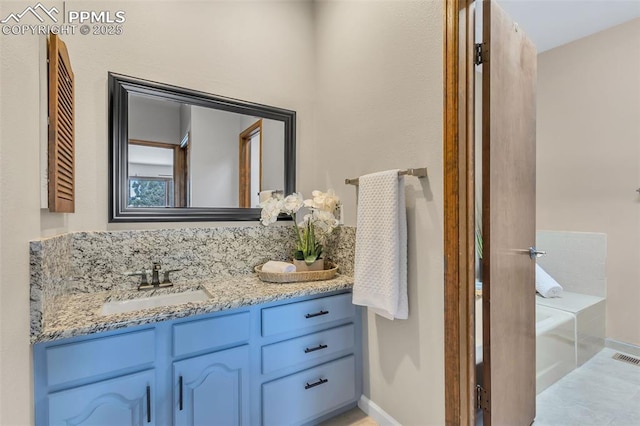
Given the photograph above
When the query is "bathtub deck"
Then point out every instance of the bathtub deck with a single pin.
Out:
(590, 320)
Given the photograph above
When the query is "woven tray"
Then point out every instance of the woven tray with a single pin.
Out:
(295, 277)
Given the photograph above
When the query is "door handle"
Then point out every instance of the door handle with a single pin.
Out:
(180, 395)
(148, 404)
(534, 253)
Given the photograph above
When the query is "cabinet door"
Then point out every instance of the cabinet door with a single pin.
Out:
(212, 389)
(123, 401)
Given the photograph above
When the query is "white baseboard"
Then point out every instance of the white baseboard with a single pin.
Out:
(376, 413)
(622, 346)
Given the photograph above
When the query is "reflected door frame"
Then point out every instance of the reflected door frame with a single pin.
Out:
(244, 163)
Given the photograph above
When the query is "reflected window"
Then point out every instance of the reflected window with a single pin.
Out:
(150, 192)
(151, 174)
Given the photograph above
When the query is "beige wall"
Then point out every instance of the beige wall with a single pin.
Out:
(373, 103)
(194, 45)
(588, 157)
(380, 107)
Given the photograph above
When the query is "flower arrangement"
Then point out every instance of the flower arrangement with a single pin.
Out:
(315, 226)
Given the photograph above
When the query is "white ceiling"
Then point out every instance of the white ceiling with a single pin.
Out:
(552, 23)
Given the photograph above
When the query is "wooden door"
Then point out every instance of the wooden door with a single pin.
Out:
(508, 163)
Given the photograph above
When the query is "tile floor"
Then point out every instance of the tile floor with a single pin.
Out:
(602, 392)
(353, 417)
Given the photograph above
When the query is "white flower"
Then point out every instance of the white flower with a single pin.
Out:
(307, 217)
(326, 201)
(325, 220)
(323, 206)
(293, 203)
(270, 210)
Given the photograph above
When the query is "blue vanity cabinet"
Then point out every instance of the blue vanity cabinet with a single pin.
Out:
(212, 389)
(97, 380)
(310, 360)
(124, 401)
(286, 362)
(301, 397)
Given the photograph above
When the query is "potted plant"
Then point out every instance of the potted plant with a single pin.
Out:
(312, 230)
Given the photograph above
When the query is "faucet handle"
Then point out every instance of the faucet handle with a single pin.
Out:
(165, 276)
(144, 281)
(142, 274)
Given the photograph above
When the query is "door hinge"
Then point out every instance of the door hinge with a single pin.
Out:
(481, 53)
(482, 398)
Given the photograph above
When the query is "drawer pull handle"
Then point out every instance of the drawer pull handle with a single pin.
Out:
(148, 404)
(317, 314)
(180, 393)
(318, 383)
(317, 348)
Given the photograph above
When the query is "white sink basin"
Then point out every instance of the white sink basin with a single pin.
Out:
(122, 306)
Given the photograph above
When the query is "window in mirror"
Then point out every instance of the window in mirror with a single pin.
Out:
(151, 175)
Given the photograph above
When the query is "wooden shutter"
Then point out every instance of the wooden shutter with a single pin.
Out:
(61, 129)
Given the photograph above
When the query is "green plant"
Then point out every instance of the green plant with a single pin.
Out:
(308, 247)
(478, 230)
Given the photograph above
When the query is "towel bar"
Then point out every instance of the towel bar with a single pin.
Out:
(419, 172)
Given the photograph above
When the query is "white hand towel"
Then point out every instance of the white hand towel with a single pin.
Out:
(380, 279)
(546, 285)
(280, 267)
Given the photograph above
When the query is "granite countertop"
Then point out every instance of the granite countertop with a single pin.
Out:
(79, 314)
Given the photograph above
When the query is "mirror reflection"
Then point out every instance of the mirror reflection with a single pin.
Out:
(183, 155)
(179, 154)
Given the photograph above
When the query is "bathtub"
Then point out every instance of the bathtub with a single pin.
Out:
(555, 344)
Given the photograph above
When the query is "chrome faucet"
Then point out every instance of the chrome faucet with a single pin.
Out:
(155, 274)
(155, 271)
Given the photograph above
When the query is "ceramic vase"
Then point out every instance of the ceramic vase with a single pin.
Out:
(301, 265)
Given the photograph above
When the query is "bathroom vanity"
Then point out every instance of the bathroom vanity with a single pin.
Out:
(251, 353)
(287, 362)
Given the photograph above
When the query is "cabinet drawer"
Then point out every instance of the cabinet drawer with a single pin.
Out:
(195, 336)
(301, 315)
(306, 348)
(310, 393)
(82, 360)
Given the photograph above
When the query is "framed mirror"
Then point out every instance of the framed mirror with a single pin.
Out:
(178, 154)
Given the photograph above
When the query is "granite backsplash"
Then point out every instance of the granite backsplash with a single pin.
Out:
(87, 262)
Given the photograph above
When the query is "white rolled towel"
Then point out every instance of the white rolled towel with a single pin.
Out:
(277, 266)
(546, 285)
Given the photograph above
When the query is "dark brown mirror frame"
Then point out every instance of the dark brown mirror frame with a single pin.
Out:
(120, 87)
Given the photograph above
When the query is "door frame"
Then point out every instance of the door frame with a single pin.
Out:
(459, 213)
(244, 163)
